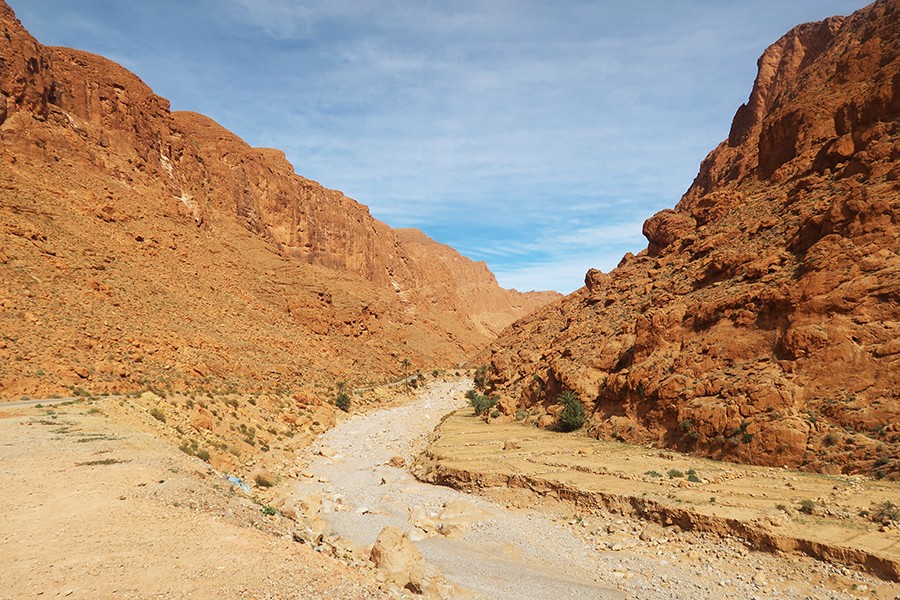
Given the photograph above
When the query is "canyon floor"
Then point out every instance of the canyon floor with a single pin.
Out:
(93, 507)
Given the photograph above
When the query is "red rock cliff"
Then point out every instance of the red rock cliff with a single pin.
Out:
(761, 324)
(144, 245)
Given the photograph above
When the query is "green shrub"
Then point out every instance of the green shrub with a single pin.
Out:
(673, 473)
(653, 474)
(481, 378)
(572, 416)
(203, 455)
(482, 403)
(692, 476)
(886, 511)
(831, 438)
(343, 401)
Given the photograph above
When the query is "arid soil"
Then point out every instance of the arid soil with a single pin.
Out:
(96, 509)
(761, 324)
(766, 506)
(101, 504)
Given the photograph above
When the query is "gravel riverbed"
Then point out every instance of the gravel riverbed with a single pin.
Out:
(501, 552)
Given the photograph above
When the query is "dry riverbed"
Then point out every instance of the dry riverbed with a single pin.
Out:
(556, 551)
(98, 503)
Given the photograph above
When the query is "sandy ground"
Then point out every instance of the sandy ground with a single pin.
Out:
(91, 509)
(769, 499)
(94, 508)
(499, 550)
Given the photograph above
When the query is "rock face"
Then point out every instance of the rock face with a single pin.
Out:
(761, 324)
(140, 246)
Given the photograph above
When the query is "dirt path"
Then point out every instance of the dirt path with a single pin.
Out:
(498, 552)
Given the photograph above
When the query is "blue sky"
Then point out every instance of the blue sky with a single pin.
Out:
(535, 135)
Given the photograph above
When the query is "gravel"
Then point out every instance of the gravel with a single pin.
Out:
(513, 553)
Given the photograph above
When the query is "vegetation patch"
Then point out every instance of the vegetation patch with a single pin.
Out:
(482, 403)
(103, 461)
(572, 416)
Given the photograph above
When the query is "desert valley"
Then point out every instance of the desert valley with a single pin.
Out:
(219, 378)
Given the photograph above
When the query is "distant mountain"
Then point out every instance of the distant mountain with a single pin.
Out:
(761, 324)
(141, 247)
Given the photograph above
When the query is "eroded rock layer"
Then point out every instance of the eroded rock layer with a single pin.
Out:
(761, 324)
(141, 247)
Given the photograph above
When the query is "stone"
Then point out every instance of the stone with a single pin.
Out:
(396, 556)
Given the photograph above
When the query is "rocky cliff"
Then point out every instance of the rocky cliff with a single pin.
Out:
(761, 324)
(144, 247)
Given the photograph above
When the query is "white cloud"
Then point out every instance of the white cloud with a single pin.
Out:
(535, 135)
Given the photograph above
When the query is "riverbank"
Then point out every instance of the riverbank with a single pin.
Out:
(687, 501)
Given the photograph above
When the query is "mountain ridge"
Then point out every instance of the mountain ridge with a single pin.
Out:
(108, 193)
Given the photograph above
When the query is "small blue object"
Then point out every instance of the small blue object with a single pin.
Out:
(237, 481)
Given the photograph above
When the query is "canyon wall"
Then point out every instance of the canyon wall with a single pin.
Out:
(761, 324)
(141, 246)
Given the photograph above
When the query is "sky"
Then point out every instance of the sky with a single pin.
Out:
(535, 135)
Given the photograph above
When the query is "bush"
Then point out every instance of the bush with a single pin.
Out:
(158, 414)
(572, 416)
(343, 401)
(264, 480)
(886, 511)
(807, 506)
(831, 438)
(203, 455)
(482, 403)
(481, 378)
(653, 474)
(673, 473)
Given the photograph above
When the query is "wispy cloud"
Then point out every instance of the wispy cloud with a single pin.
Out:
(532, 134)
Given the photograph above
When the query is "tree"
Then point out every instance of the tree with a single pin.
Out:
(572, 416)
(482, 378)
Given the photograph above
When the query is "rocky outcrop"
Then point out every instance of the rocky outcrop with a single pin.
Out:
(760, 324)
(141, 245)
